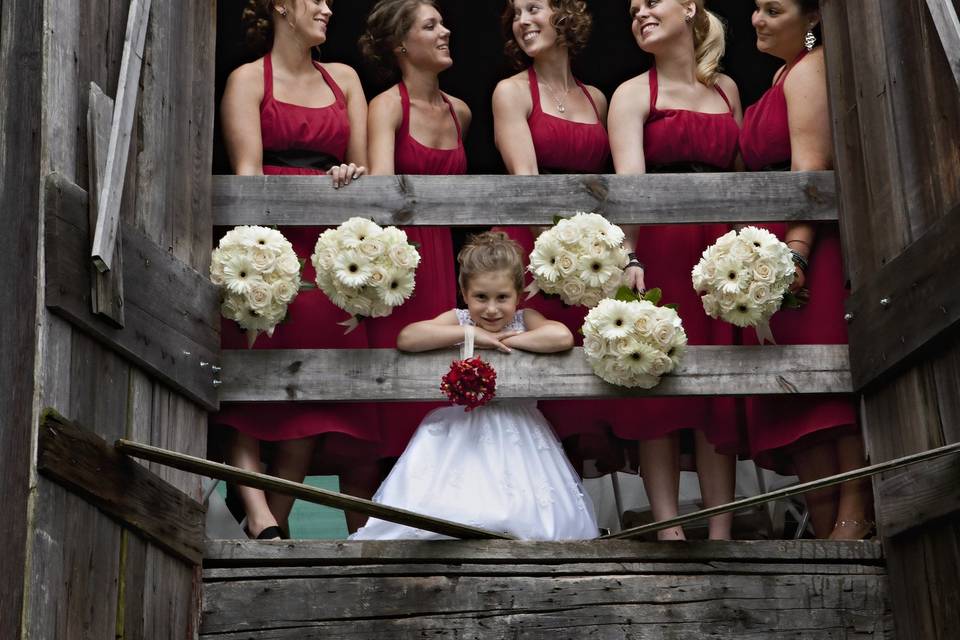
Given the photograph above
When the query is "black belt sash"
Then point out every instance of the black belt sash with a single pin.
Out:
(300, 159)
(684, 167)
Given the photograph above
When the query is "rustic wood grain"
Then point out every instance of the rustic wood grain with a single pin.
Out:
(944, 15)
(120, 488)
(923, 304)
(732, 605)
(111, 191)
(239, 553)
(21, 41)
(106, 293)
(501, 200)
(387, 374)
(919, 495)
(316, 495)
(171, 312)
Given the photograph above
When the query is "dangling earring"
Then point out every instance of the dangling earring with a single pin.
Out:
(809, 40)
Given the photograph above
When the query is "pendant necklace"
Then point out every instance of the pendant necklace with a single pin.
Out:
(553, 94)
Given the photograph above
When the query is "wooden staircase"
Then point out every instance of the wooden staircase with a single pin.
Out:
(302, 590)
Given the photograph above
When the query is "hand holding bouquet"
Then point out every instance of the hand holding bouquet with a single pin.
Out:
(364, 269)
(743, 278)
(631, 342)
(259, 276)
(580, 259)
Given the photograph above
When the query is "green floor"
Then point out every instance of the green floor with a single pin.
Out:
(311, 521)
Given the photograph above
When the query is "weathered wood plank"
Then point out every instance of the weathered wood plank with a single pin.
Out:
(537, 569)
(123, 490)
(106, 293)
(171, 312)
(234, 553)
(907, 304)
(919, 496)
(728, 602)
(504, 200)
(944, 15)
(21, 47)
(389, 375)
(111, 191)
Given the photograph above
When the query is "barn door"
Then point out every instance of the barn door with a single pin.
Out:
(894, 73)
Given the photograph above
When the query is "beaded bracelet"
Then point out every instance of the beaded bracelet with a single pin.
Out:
(633, 262)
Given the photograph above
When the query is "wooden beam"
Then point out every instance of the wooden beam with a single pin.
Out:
(389, 375)
(106, 295)
(919, 496)
(906, 305)
(127, 492)
(111, 189)
(511, 200)
(171, 311)
(241, 553)
(944, 15)
(334, 499)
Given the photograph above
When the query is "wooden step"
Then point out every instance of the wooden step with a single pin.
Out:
(494, 589)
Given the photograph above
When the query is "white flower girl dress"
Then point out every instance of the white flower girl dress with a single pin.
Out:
(499, 467)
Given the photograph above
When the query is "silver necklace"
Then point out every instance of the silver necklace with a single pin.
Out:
(553, 94)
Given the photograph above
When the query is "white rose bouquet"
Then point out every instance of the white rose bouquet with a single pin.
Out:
(580, 259)
(743, 278)
(631, 342)
(259, 276)
(364, 269)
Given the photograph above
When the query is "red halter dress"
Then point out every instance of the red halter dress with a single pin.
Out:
(352, 431)
(679, 140)
(775, 424)
(435, 291)
(563, 146)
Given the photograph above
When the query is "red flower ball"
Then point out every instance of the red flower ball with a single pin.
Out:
(471, 383)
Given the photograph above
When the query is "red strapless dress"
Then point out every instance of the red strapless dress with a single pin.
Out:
(677, 140)
(776, 423)
(352, 430)
(436, 283)
(562, 146)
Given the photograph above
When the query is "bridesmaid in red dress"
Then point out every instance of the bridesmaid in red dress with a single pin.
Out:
(681, 116)
(547, 121)
(285, 114)
(789, 128)
(414, 128)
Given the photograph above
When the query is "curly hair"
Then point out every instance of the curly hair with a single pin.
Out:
(389, 21)
(490, 251)
(257, 22)
(571, 20)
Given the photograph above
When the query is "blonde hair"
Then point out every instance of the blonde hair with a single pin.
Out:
(490, 251)
(709, 42)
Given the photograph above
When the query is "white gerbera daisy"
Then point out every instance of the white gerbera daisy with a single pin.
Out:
(397, 288)
(239, 274)
(614, 318)
(352, 269)
(745, 313)
(595, 272)
(356, 230)
(731, 275)
(543, 259)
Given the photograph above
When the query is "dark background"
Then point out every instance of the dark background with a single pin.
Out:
(611, 57)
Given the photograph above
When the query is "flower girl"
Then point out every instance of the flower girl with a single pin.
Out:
(500, 466)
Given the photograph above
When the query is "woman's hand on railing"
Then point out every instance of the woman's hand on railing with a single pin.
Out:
(344, 174)
(633, 278)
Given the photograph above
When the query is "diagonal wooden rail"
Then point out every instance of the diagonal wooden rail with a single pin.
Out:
(786, 492)
(326, 498)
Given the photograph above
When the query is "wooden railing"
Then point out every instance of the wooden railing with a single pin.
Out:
(387, 375)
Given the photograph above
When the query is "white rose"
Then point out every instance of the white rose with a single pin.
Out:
(284, 291)
(566, 263)
(590, 298)
(571, 290)
(764, 271)
(260, 296)
(404, 256)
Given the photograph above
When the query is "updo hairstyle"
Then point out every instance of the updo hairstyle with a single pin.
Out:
(490, 251)
(387, 25)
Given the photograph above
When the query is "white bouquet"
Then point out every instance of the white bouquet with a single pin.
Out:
(259, 276)
(743, 278)
(633, 343)
(579, 258)
(364, 269)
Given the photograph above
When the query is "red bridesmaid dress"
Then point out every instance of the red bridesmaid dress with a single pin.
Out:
(776, 423)
(562, 146)
(435, 291)
(675, 141)
(294, 138)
